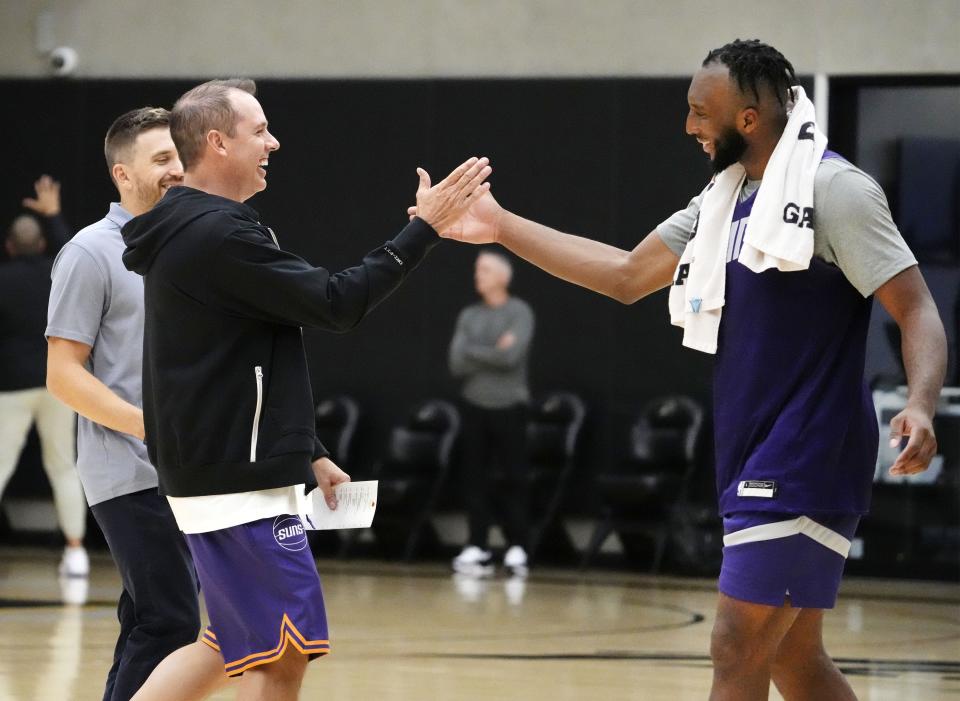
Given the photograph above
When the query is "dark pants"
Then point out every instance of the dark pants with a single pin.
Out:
(495, 437)
(159, 611)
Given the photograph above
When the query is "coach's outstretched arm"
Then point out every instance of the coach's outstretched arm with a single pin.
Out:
(248, 263)
(623, 275)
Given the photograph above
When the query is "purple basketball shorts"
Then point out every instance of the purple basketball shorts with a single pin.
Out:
(262, 592)
(772, 558)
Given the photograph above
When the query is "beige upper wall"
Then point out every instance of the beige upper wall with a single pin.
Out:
(422, 38)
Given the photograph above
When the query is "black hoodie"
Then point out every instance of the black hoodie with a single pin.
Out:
(226, 394)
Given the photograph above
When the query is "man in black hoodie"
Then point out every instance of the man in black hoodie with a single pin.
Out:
(227, 402)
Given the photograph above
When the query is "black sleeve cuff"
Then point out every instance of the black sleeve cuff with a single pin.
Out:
(319, 451)
(414, 241)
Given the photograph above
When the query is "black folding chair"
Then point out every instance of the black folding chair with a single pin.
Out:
(336, 419)
(639, 497)
(553, 432)
(412, 475)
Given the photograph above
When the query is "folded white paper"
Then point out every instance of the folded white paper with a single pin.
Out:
(356, 505)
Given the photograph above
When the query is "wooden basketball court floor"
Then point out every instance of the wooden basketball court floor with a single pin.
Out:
(417, 632)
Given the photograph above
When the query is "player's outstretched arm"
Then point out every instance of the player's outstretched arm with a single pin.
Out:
(924, 346)
(623, 275)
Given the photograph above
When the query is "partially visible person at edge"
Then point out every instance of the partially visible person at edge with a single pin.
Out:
(95, 340)
(31, 243)
(227, 401)
(45, 209)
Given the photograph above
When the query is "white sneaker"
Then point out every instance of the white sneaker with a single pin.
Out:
(75, 562)
(470, 587)
(515, 588)
(474, 561)
(74, 590)
(515, 560)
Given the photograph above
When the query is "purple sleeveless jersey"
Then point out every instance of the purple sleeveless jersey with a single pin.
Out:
(795, 427)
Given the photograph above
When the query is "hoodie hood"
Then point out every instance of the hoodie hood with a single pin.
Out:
(146, 234)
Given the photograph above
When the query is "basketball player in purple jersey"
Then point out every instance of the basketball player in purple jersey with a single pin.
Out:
(796, 435)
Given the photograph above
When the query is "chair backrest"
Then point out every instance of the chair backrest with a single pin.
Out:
(665, 433)
(425, 440)
(553, 428)
(336, 420)
(946, 426)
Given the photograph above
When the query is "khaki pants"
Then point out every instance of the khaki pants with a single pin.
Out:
(56, 425)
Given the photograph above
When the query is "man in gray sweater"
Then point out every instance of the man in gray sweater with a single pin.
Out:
(489, 351)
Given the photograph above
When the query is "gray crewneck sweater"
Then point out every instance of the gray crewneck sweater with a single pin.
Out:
(493, 378)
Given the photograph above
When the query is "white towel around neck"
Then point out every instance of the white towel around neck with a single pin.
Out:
(780, 233)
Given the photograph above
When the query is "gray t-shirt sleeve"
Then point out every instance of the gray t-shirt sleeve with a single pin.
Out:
(78, 296)
(675, 231)
(853, 229)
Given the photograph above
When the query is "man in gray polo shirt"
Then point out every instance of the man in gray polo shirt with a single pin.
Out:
(489, 352)
(95, 352)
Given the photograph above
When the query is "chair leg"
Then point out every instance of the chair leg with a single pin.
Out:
(413, 540)
(550, 514)
(663, 534)
(348, 538)
(422, 521)
(601, 532)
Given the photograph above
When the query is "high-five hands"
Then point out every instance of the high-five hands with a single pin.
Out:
(444, 203)
(479, 224)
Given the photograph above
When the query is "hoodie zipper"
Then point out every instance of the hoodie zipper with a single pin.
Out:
(258, 371)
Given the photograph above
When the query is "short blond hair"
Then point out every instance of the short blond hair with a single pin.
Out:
(25, 236)
(202, 109)
(502, 260)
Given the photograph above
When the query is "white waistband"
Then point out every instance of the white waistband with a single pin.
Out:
(784, 529)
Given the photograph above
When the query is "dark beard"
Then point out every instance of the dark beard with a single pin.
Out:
(730, 147)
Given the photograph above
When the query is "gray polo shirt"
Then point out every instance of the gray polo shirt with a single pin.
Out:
(493, 378)
(95, 300)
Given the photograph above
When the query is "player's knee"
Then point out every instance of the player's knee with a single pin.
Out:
(732, 648)
(793, 660)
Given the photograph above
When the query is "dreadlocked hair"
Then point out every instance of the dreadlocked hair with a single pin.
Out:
(751, 62)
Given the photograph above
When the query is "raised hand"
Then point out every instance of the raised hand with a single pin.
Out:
(479, 224)
(444, 203)
(47, 201)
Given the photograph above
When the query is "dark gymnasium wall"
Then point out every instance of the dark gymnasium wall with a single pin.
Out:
(605, 158)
